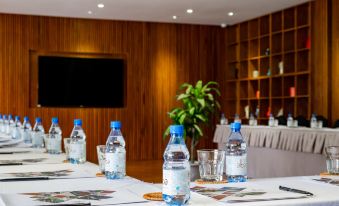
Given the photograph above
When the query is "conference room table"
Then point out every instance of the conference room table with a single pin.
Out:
(282, 151)
(88, 187)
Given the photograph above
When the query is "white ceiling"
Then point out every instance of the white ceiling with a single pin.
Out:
(210, 12)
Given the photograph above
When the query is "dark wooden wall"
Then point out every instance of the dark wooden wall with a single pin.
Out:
(334, 46)
(159, 58)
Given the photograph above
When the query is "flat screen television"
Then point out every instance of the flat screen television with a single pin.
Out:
(81, 82)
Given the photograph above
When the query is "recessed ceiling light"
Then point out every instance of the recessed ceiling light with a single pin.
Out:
(223, 25)
(89, 12)
(174, 17)
(101, 5)
(189, 11)
(230, 13)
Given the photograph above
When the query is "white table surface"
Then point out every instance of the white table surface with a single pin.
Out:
(324, 194)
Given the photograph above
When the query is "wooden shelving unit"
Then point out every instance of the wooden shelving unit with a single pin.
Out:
(286, 34)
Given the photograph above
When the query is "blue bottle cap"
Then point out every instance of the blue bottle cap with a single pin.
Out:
(78, 122)
(177, 129)
(235, 126)
(55, 120)
(0, 115)
(9, 116)
(5, 116)
(17, 118)
(116, 124)
(38, 119)
(26, 118)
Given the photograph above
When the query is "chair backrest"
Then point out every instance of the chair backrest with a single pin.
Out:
(282, 120)
(302, 121)
(336, 124)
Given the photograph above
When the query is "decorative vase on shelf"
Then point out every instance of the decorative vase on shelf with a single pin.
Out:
(281, 67)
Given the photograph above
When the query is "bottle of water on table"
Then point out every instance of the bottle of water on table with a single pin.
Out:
(314, 123)
(176, 169)
(16, 133)
(290, 122)
(53, 140)
(115, 167)
(223, 119)
(236, 155)
(26, 131)
(1, 123)
(9, 124)
(38, 134)
(77, 145)
(4, 127)
(271, 120)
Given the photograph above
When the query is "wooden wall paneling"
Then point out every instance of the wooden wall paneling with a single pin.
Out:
(160, 58)
(319, 60)
(335, 61)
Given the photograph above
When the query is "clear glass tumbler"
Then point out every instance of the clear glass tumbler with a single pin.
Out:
(101, 149)
(66, 146)
(332, 161)
(211, 164)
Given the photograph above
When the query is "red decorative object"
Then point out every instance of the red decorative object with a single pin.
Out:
(257, 94)
(268, 113)
(292, 91)
(308, 43)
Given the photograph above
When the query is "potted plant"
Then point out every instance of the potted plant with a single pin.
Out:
(198, 105)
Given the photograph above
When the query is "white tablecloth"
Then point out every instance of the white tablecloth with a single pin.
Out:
(130, 188)
(299, 139)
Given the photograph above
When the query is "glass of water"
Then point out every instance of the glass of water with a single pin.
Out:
(332, 161)
(211, 164)
(66, 146)
(101, 149)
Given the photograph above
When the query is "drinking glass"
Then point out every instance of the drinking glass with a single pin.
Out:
(320, 124)
(101, 149)
(66, 146)
(211, 164)
(332, 161)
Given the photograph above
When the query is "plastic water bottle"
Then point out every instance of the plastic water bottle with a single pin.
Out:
(1, 123)
(271, 121)
(237, 118)
(314, 121)
(115, 167)
(77, 145)
(16, 133)
(53, 140)
(26, 131)
(223, 119)
(290, 121)
(176, 169)
(236, 155)
(4, 127)
(9, 124)
(38, 134)
(252, 120)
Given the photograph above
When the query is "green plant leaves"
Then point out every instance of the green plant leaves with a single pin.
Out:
(198, 104)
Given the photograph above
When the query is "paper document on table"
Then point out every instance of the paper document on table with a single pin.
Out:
(53, 171)
(260, 195)
(94, 197)
(31, 158)
(244, 194)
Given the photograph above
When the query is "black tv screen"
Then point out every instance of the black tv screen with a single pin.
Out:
(81, 82)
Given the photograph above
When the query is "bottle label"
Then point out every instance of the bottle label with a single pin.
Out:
(176, 182)
(236, 165)
(115, 162)
(76, 150)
